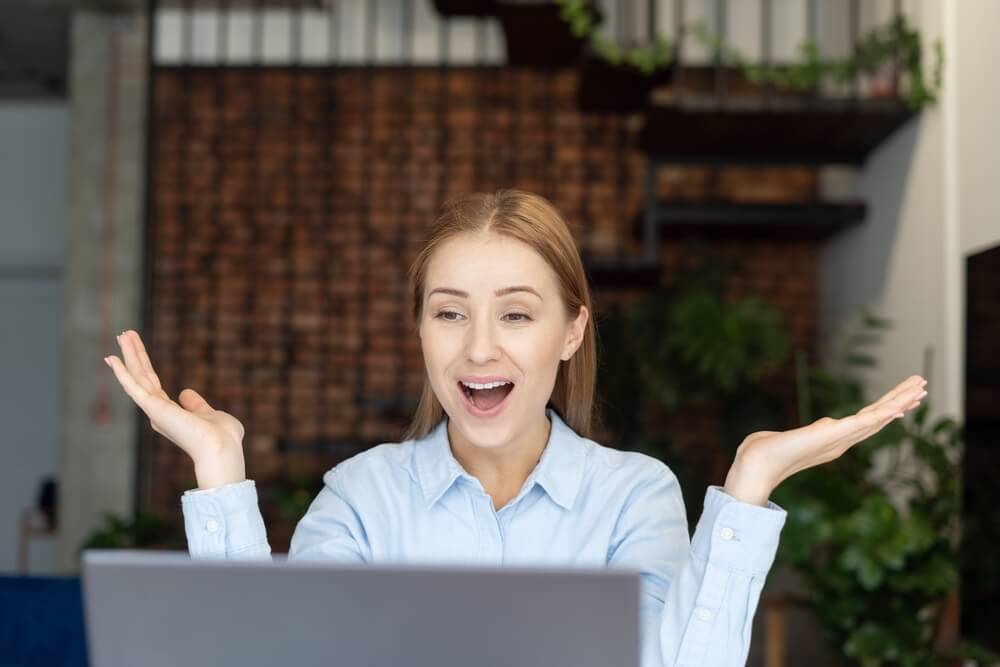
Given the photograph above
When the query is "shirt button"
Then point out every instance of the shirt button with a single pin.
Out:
(726, 533)
(211, 525)
(703, 614)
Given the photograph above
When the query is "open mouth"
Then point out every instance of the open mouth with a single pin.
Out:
(486, 400)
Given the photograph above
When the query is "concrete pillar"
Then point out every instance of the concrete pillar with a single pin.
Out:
(104, 268)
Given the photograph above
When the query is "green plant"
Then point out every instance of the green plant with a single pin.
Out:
(697, 345)
(895, 46)
(688, 344)
(647, 58)
(874, 534)
(292, 495)
(144, 530)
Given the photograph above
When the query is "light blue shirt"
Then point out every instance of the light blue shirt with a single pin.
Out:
(583, 504)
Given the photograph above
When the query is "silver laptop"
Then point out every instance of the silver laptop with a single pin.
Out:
(163, 609)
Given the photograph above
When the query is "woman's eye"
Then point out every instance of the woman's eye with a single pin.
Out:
(452, 316)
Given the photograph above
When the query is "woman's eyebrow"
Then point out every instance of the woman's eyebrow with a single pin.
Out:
(503, 291)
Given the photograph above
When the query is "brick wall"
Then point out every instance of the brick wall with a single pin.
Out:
(288, 204)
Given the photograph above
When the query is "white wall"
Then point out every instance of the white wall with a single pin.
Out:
(934, 197)
(978, 109)
(32, 223)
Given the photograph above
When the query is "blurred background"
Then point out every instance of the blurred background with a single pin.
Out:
(785, 208)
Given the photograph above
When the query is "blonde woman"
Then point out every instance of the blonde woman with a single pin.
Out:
(498, 466)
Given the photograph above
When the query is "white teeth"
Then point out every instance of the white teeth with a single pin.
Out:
(488, 385)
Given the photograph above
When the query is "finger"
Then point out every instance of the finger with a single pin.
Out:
(136, 391)
(154, 405)
(902, 394)
(906, 385)
(193, 401)
(132, 362)
(143, 356)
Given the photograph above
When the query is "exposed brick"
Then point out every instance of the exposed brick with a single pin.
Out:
(287, 206)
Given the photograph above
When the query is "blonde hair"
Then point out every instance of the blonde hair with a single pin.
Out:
(533, 220)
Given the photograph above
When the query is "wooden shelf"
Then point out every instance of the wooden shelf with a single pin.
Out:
(799, 221)
(769, 130)
(619, 272)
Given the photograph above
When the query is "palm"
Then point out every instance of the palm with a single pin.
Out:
(785, 453)
(192, 424)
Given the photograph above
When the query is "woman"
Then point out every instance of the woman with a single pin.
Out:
(497, 467)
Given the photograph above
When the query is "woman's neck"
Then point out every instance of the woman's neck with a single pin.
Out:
(502, 470)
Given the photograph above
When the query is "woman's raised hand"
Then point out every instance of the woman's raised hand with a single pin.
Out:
(212, 438)
(766, 458)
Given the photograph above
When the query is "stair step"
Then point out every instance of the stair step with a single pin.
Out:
(807, 220)
(766, 130)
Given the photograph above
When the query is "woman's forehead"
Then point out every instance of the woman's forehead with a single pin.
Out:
(485, 264)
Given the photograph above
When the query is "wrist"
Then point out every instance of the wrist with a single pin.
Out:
(746, 482)
(219, 471)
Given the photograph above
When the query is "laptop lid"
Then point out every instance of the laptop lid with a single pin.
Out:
(163, 609)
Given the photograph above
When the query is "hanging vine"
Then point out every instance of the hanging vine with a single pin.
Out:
(891, 50)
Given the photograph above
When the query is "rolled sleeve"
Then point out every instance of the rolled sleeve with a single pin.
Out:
(225, 522)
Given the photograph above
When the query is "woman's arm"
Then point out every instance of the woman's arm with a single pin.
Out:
(698, 596)
(226, 523)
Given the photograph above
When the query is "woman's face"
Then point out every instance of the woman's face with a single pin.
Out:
(492, 312)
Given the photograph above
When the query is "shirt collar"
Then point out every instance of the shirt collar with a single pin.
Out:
(559, 471)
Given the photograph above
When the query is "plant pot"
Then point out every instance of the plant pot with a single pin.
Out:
(465, 7)
(537, 35)
(608, 87)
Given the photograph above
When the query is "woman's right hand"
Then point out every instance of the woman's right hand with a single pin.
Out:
(212, 438)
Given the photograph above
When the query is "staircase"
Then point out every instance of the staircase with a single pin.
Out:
(725, 122)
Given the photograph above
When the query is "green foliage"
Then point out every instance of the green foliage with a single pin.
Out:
(697, 345)
(686, 344)
(895, 47)
(647, 58)
(144, 530)
(292, 495)
(877, 552)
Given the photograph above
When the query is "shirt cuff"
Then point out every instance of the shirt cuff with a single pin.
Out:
(739, 535)
(222, 519)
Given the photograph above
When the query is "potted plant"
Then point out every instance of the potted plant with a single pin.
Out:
(612, 77)
(142, 531)
(537, 35)
(620, 83)
(890, 55)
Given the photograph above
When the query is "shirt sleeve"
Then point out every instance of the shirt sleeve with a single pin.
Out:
(225, 523)
(699, 594)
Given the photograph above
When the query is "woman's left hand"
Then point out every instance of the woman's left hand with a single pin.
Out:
(766, 458)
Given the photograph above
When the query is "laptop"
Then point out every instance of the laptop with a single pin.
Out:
(164, 609)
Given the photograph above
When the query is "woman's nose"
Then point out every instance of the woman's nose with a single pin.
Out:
(482, 343)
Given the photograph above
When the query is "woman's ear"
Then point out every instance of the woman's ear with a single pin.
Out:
(574, 336)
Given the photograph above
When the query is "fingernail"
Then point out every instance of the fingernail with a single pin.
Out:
(107, 360)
